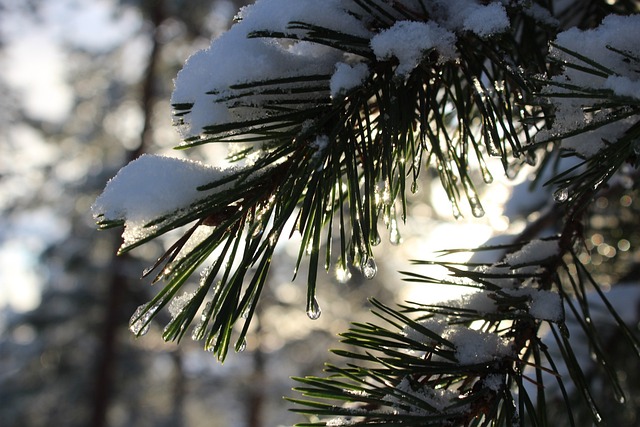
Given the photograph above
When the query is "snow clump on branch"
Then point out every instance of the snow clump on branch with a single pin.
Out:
(270, 42)
(611, 46)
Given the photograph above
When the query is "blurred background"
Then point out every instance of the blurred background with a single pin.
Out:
(85, 89)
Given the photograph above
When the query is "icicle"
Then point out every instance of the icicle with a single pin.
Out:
(369, 268)
(313, 309)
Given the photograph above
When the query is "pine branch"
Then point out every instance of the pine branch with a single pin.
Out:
(402, 370)
(317, 155)
(332, 147)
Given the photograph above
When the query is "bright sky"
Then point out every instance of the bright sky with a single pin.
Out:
(35, 65)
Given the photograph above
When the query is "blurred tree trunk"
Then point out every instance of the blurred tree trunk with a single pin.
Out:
(114, 317)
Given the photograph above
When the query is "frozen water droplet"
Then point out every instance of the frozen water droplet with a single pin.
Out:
(313, 309)
(205, 311)
(561, 195)
(342, 273)
(394, 234)
(242, 346)
(210, 345)
(476, 208)
(369, 268)
(386, 218)
(196, 334)
(309, 249)
(487, 177)
(455, 210)
(246, 311)
(375, 237)
(414, 187)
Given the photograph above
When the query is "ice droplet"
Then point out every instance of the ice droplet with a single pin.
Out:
(196, 334)
(394, 233)
(561, 195)
(241, 346)
(246, 311)
(369, 267)
(414, 187)
(342, 273)
(210, 344)
(487, 177)
(205, 312)
(476, 208)
(375, 239)
(313, 309)
(455, 210)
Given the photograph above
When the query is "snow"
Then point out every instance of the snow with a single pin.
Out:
(621, 77)
(623, 86)
(434, 324)
(238, 57)
(546, 305)
(486, 20)
(177, 304)
(410, 41)
(231, 59)
(541, 14)
(339, 421)
(441, 399)
(275, 15)
(235, 58)
(533, 252)
(624, 297)
(495, 382)
(347, 77)
(473, 346)
(149, 187)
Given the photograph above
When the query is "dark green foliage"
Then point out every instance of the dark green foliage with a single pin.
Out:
(345, 165)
